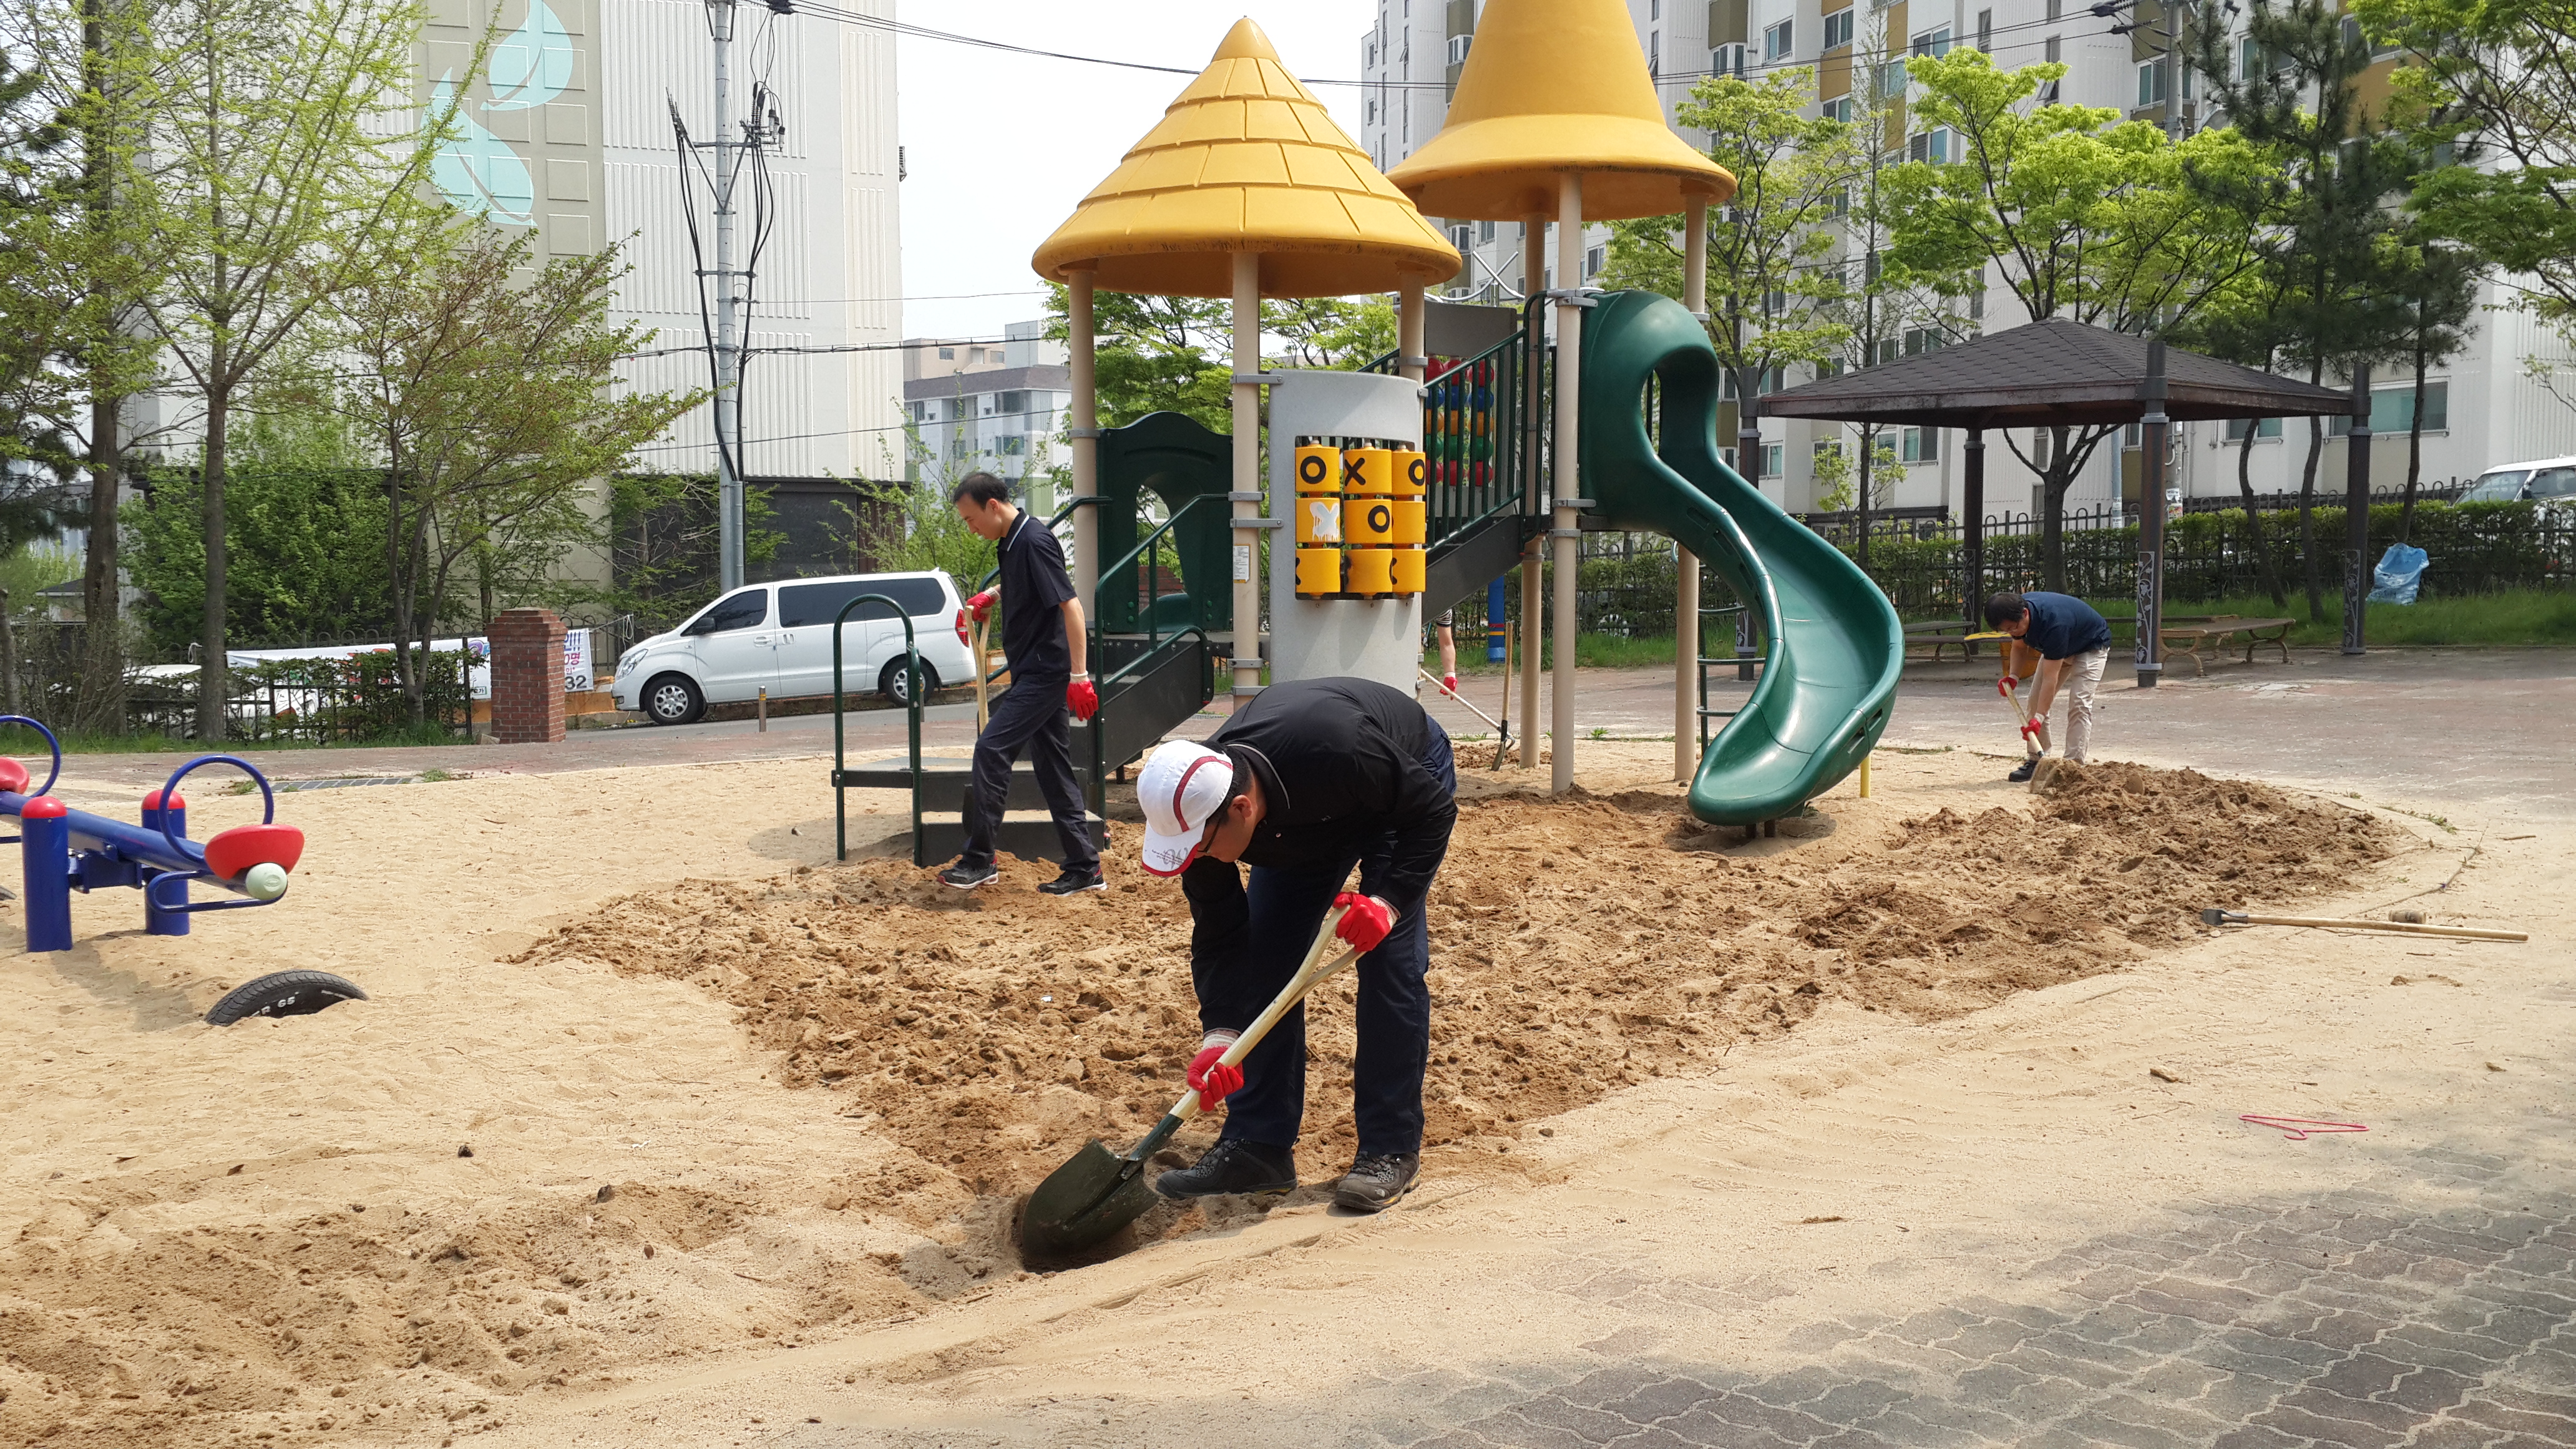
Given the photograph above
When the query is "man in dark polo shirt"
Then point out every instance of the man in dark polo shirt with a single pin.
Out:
(2073, 644)
(1043, 640)
(1311, 778)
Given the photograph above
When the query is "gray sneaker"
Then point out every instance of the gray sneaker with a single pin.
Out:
(966, 877)
(1233, 1166)
(1378, 1182)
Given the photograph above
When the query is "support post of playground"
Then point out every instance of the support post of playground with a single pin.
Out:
(2155, 433)
(1972, 493)
(1686, 563)
(2356, 515)
(1084, 427)
(1564, 528)
(1247, 475)
(1410, 359)
(1533, 282)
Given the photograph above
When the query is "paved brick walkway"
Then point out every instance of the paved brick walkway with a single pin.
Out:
(2443, 1318)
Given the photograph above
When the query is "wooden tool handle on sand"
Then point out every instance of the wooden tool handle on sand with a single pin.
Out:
(2234, 918)
(1309, 974)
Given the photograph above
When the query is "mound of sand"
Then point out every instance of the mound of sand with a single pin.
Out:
(969, 1043)
(1578, 946)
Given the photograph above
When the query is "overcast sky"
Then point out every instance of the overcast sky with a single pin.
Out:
(1000, 147)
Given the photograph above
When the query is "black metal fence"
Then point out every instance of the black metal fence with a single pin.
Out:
(349, 700)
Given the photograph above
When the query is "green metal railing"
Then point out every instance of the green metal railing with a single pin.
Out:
(912, 713)
(1146, 550)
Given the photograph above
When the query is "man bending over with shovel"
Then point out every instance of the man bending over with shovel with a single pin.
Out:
(2073, 643)
(1308, 780)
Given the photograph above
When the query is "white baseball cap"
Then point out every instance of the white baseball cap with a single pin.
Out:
(1181, 786)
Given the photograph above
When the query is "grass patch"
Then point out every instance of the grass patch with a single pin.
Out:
(2520, 616)
(25, 743)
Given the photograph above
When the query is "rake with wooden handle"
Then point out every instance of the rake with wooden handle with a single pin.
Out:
(2216, 917)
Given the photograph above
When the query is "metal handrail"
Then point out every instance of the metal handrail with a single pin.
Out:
(912, 712)
(1152, 637)
(1099, 735)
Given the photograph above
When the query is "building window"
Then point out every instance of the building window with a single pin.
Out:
(2249, 58)
(1986, 31)
(1654, 53)
(1919, 340)
(1933, 42)
(2263, 427)
(1830, 367)
(1727, 59)
(1371, 111)
(1891, 80)
(1838, 29)
(2056, 11)
(2051, 52)
(1771, 459)
(1838, 109)
(1594, 259)
(1920, 445)
(1654, 9)
(1932, 146)
(1462, 237)
(1485, 231)
(2392, 410)
(1775, 41)
(1012, 445)
(1458, 45)
(2151, 83)
(948, 354)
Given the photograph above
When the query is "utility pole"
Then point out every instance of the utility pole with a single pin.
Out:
(728, 355)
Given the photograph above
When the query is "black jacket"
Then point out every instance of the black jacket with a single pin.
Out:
(1340, 766)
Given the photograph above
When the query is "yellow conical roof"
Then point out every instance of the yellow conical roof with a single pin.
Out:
(1553, 86)
(1246, 160)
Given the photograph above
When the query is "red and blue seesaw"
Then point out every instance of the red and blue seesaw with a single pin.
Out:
(65, 850)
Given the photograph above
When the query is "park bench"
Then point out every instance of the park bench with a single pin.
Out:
(1941, 634)
(2190, 634)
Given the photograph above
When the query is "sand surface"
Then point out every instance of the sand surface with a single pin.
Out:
(722, 1096)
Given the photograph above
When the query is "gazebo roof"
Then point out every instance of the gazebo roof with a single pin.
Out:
(2047, 373)
(1552, 86)
(1247, 160)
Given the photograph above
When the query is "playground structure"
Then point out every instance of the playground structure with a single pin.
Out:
(65, 850)
(1247, 189)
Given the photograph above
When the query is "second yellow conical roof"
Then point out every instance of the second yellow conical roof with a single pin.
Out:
(1553, 86)
(1247, 160)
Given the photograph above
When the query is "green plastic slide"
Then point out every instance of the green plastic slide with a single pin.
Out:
(1835, 646)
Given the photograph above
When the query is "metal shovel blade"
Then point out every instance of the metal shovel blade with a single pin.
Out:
(1093, 1195)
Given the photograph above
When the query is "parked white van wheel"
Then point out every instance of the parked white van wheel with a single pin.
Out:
(894, 684)
(673, 699)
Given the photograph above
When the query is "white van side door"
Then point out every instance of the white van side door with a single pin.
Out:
(733, 646)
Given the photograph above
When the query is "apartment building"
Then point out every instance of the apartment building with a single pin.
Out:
(567, 133)
(2480, 409)
(973, 405)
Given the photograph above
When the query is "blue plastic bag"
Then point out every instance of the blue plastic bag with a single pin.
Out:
(2399, 574)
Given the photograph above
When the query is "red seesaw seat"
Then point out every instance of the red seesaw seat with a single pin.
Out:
(13, 776)
(238, 849)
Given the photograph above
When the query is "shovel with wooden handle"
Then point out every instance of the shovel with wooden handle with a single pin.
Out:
(1097, 1192)
(983, 672)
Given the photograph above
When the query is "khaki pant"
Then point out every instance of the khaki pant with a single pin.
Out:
(2082, 685)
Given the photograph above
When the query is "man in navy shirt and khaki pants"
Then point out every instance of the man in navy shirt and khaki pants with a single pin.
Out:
(1043, 640)
(2073, 643)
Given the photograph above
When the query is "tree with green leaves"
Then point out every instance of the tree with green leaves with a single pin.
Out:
(282, 141)
(2082, 216)
(2441, 306)
(1156, 355)
(2327, 231)
(1766, 250)
(484, 386)
(2494, 79)
(87, 272)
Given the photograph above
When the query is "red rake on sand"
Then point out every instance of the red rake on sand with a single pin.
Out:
(2299, 1128)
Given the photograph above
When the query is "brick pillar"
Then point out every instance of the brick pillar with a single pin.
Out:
(527, 677)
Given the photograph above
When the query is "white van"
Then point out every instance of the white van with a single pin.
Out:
(2549, 482)
(778, 637)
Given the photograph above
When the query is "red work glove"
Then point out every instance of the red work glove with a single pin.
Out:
(1449, 684)
(1214, 1080)
(2006, 685)
(981, 606)
(1082, 698)
(1365, 919)
(2034, 728)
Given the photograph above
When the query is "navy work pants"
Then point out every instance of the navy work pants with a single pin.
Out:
(1029, 716)
(1249, 941)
